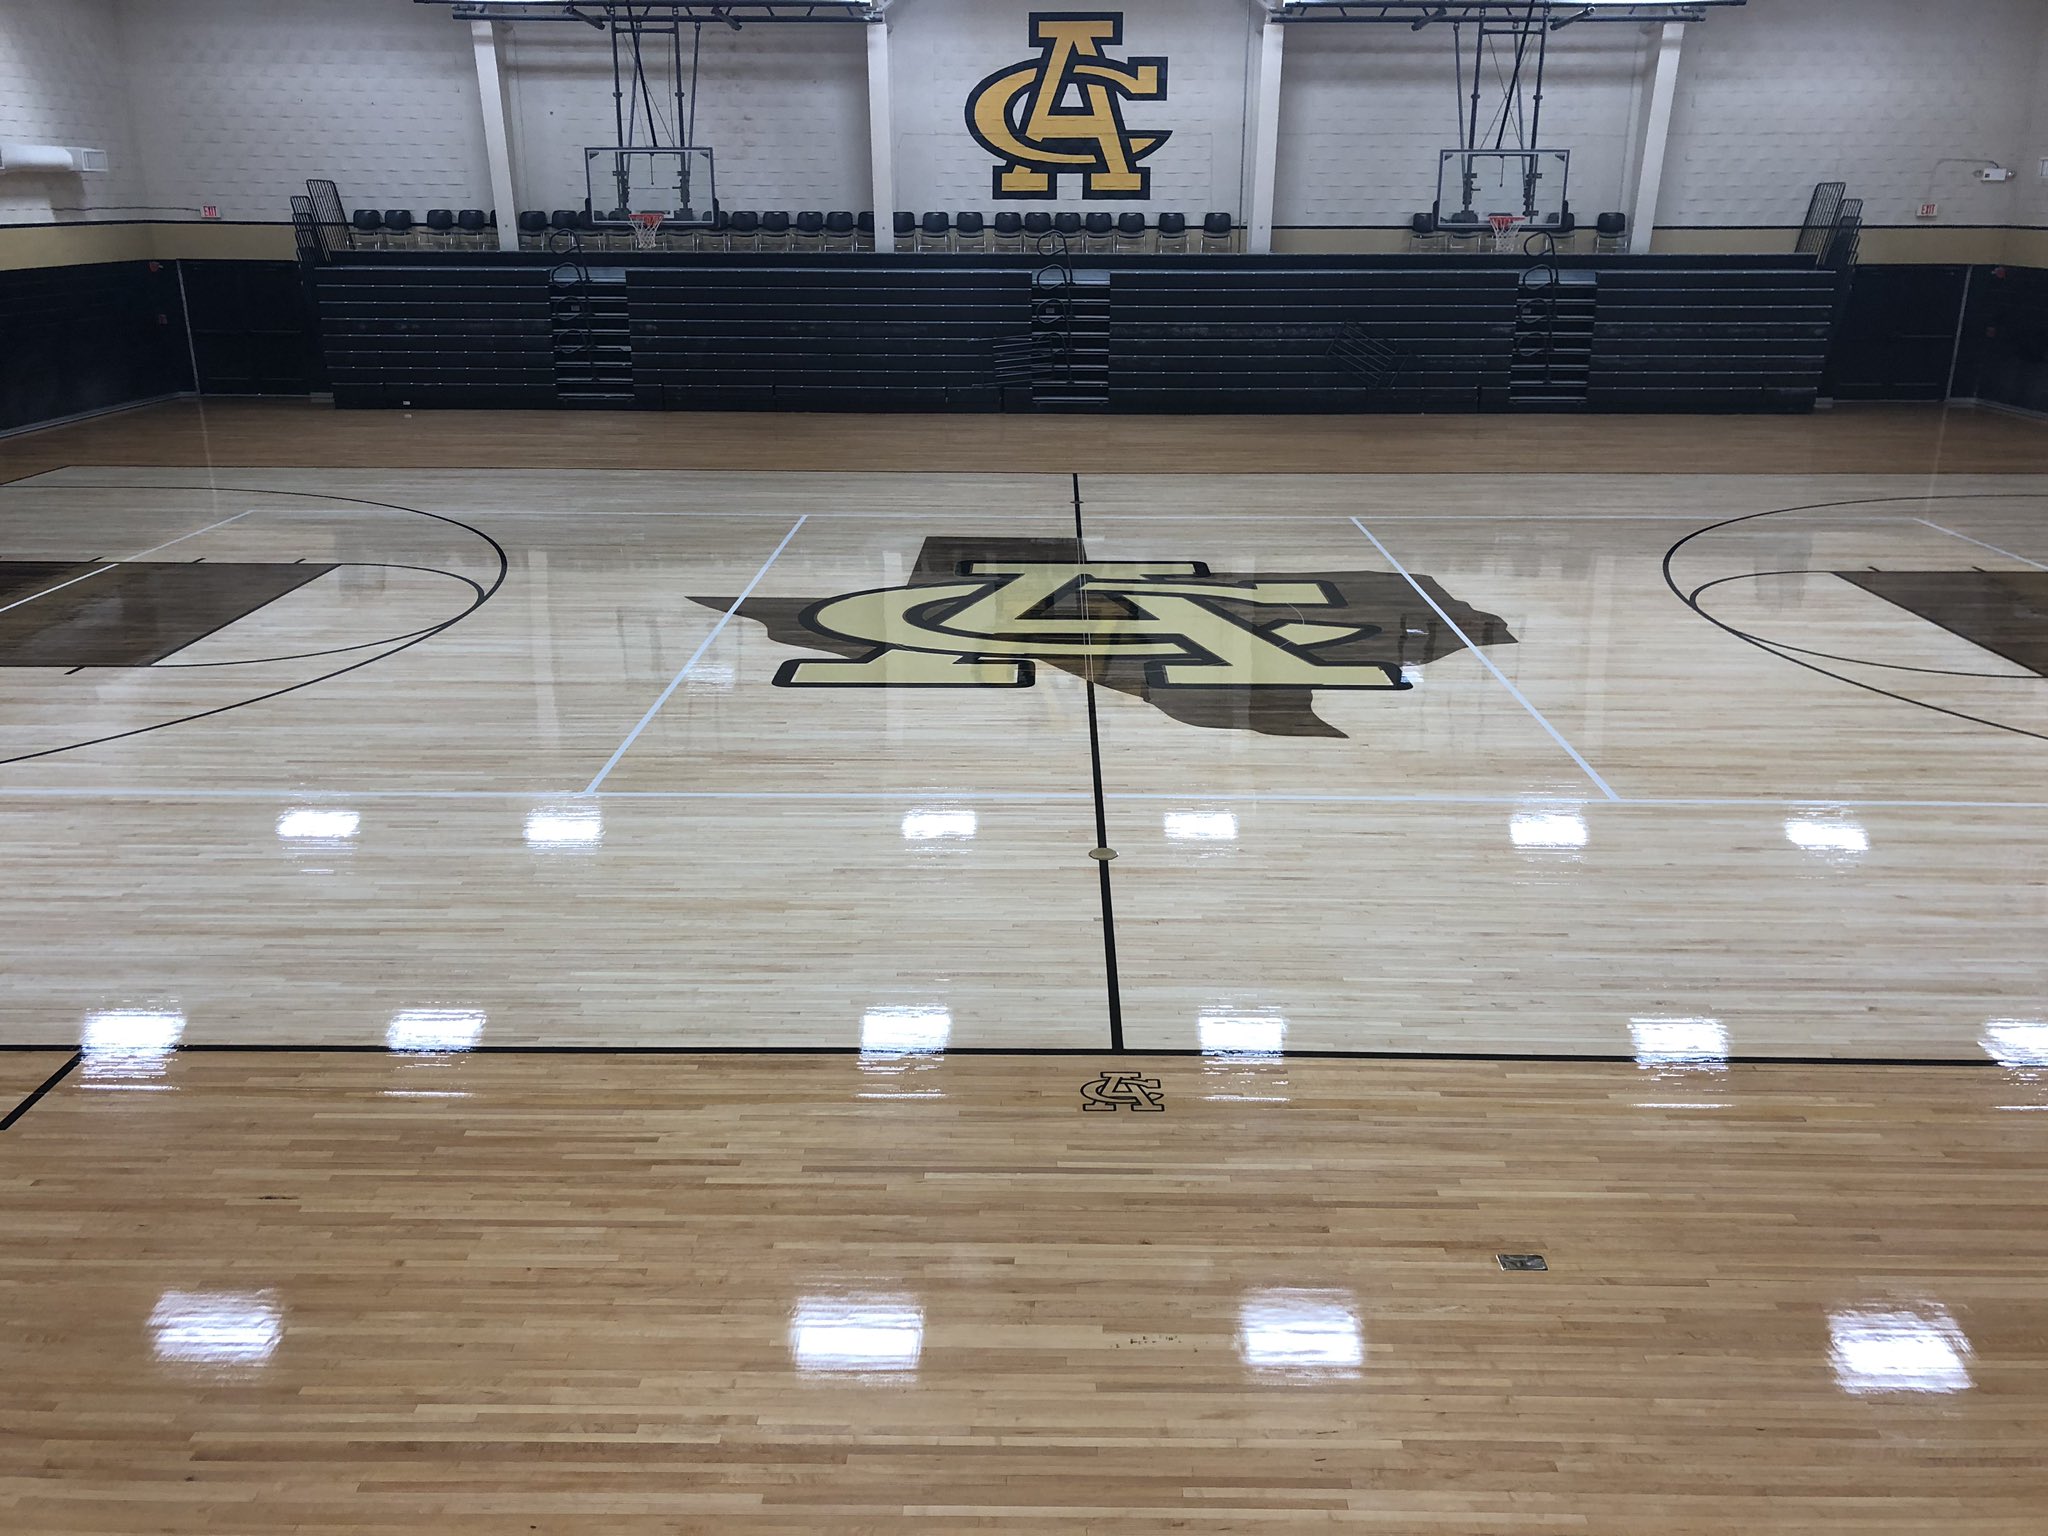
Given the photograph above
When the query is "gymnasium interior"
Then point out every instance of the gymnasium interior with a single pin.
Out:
(827, 766)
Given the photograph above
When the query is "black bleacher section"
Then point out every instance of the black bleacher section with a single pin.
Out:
(429, 334)
(818, 336)
(1690, 338)
(1201, 336)
(905, 332)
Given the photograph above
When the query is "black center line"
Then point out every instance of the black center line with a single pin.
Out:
(49, 1082)
(1115, 989)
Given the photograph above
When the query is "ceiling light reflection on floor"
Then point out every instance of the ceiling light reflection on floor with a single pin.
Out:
(434, 1031)
(1304, 1334)
(565, 829)
(929, 825)
(1225, 1032)
(1904, 1349)
(310, 826)
(236, 1330)
(1201, 826)
(856, 1335)
(124, 1046)
(892, 1032)
(2021, 1044)
(1680, 1044)
(1819, 836)
(1547, 829)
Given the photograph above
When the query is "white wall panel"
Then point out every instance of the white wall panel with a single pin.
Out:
(63, 80)
(1364, 111)
(1785, 93)
(237, 102)
(943, 50)
(240, 101)
(783, 107)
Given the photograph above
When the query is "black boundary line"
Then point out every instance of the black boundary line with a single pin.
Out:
(1239, 1058)
(485, 595)
(48, 1083)
(1113, 987)
(1769, 648)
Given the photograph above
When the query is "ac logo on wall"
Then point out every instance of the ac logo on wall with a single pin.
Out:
(1210, 648)
(1062, 113)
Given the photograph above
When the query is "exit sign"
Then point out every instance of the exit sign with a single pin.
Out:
(1929, 210)
(209, 210)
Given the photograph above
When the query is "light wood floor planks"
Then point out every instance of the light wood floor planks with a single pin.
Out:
(485, 1294)
(794, 1222)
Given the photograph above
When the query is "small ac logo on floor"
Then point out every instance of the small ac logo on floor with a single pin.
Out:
(1126, 1090)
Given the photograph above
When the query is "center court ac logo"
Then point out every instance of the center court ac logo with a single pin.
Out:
(1062, 112)
(1210, 648)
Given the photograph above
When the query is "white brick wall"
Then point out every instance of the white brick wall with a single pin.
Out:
(242, 100)
(63, 81)
(2031, 197)
(237, 102)
(1786, 93)
(1364, 111)
(783, 107)
(939, 51)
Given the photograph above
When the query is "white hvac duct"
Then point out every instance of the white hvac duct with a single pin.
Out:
(50, 157)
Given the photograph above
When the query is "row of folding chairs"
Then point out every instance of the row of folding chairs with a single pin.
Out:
(1097, 234)
(773, 230)
(442, 229)
(1471, 232)
(1093, 234)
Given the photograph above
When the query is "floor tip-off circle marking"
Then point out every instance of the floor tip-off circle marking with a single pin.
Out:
(1103, 855)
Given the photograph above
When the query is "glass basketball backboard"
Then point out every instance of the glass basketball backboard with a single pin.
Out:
(1474, 184)
(680, 183)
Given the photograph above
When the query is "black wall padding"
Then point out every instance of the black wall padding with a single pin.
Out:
(82, 338)
(2005, 338)
(252, 328)
(1895, 337)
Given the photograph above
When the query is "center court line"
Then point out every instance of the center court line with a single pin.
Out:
(1487, 661)
(2023, 560)
(126, 560)
(695, 656)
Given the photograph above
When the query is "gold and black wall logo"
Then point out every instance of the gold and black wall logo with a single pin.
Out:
(1243, 652)
(1062, 112)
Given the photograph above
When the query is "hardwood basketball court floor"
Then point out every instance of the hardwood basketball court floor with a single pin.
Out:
(657, 974)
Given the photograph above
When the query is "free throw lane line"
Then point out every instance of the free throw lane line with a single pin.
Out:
(1487, 661)
(695, 656)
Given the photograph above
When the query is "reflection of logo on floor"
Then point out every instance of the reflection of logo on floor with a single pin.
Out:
(1209, 648)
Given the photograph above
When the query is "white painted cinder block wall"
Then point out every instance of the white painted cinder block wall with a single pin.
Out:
(63, 80)
(1872, 92)
(940, 49)
(236, 102)
(239, 101)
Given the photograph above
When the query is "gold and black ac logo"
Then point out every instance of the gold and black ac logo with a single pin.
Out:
(1244, 652)
(1062, 112)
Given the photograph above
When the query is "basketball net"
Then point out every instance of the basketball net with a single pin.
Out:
(1504, 227)
(645, 227)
